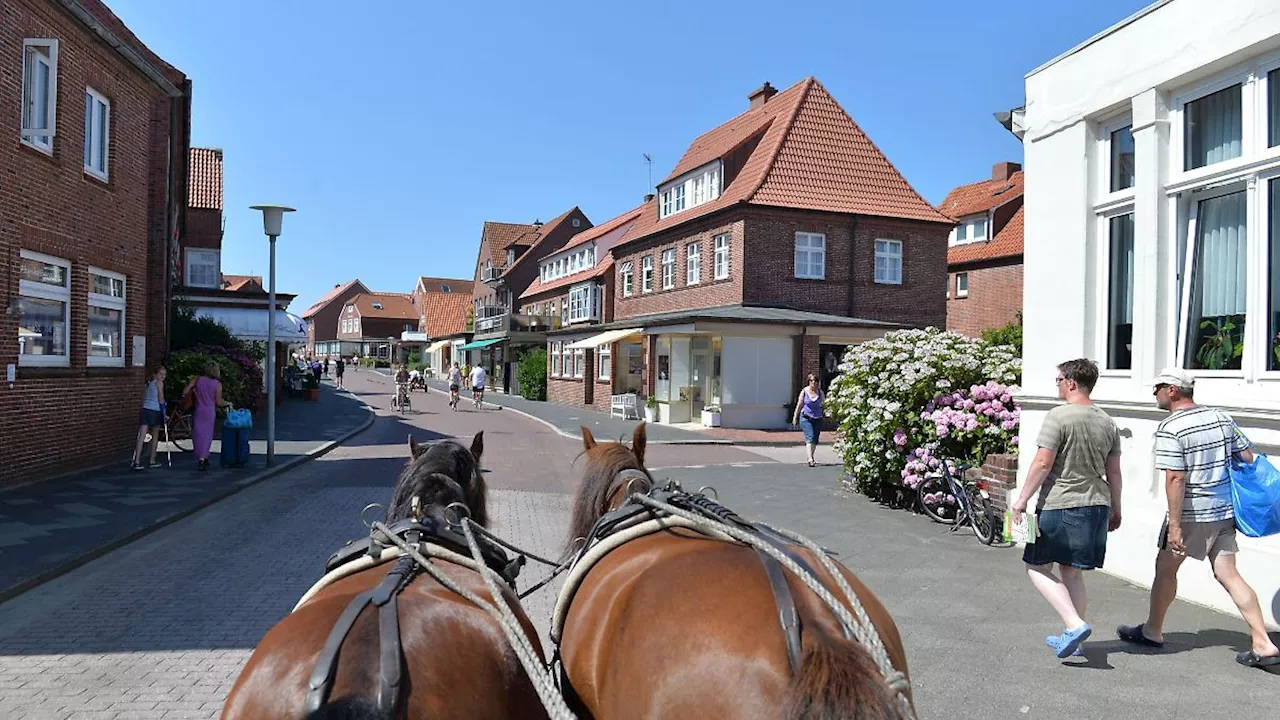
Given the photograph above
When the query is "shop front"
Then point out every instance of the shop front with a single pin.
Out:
(746, 380)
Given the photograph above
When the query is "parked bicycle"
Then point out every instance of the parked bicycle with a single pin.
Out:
(949, 497)
(177, 430)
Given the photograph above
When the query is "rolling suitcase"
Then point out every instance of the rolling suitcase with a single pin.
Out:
(235, 446)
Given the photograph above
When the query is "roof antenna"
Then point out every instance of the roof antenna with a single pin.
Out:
(649, 160)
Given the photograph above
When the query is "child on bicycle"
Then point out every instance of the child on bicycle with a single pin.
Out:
(455, 384)
(151, 419)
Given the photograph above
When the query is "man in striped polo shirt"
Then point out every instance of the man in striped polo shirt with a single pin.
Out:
(1194, 446)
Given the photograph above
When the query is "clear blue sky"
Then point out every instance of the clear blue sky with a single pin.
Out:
(398, 128)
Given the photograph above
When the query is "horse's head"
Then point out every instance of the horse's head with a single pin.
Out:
(605, 482)
(439, 473)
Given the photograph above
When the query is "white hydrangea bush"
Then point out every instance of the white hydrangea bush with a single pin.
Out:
(913, 399)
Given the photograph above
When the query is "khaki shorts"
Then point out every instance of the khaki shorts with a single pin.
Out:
(1204, 539)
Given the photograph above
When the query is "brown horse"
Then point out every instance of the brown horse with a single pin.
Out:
(679, 625)
(456, 661)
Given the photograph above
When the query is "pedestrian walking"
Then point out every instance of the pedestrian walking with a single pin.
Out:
(207, 391)
(1194, 446)
(1076, 471)
(808, 415)
(326, 365)
(477, 379)
(338, 369)
(455, 384)
(151, 419)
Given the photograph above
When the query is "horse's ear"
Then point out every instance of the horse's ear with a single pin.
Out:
(588, 440)
(477, 446)
(414, 448)
(637, 442)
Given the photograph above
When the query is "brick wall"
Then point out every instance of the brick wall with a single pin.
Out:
(204, 229)
(709, 292)
(323, 326)
(57, 419)
(995, 298)
(1001, 474)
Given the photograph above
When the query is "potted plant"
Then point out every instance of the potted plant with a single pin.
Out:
(711, 416)
(651, 409)
(311, 387)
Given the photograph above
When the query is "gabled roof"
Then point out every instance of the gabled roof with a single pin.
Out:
(437, 284)
(982, 196)
(1006, 243)
(331, 295)
(446, 313)
(204, 181)
(543, 233)
(599, 231)
(499, 236)
(240, 283)
(810, 155)
(396, 306)
(537, 287)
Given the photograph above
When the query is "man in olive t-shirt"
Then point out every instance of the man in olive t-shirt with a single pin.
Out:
(1076, 471)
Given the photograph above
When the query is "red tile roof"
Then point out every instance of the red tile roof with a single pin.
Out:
(446, 313)
(599, 231)
(394, 305)
(204, 182)
(434, 284)
(543, 232)
(810, 155)
(982, 196)
(498, 236)
(1006, 243)
(537, 287)
(330, 296)
(239, 283)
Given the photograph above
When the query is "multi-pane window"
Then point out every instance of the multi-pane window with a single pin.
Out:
(203, 268)
(665, 208)
(97, 132)
(626, 279)
(1122, 159)
(677, 198)
(1213, 128)
(106, 317)
(1120, 292)
(579, 362)
(668, 268)
(722, 256)
(699, 190)
(811, 255)
(889, 262)
(962, 285)
(580, 303)
(604, 362)
(1217, 295)
(44, 310)
(970, 230)
(39, 92)
(690, 192)
(693, 264)
(646, 274)
(557, 365)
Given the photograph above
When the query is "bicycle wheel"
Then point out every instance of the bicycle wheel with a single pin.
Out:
(180, 433)
(984, 525)
(937, 501)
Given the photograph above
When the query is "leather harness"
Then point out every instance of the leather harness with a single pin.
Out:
(383, 597)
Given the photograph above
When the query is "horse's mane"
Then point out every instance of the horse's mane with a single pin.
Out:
(603, 463)
(439, 473)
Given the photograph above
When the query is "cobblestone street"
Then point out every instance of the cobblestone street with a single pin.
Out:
(160, 627)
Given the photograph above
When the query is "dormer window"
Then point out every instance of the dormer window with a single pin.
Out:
(445, 289)
(377, 306)
(970, 230)
(511, 257)
(690, 191)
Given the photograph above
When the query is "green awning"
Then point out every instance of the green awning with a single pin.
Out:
(477, 344)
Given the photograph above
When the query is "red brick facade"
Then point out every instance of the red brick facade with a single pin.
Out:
(994, 300)
(707, 293)
(61, 418)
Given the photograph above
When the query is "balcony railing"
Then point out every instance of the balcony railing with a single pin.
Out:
(516, 322)
(491, 274)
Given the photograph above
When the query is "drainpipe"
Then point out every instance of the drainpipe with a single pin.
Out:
(853, 247)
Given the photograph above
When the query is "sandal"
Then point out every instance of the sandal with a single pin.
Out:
(136, 467)
(1134, 634)
(1253, 659)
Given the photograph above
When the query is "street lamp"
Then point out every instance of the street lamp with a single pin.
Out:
(272, 219)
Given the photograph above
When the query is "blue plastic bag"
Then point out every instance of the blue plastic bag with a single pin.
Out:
(1255, 493)
(239, 418)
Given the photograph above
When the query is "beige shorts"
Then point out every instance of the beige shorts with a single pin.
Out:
(1204, 539)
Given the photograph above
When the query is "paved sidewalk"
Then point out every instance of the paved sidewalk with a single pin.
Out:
(50, 527)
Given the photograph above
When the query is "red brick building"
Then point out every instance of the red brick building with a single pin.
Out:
(373, 322)
(779, 239)
(323, 321)
(92, 206)
(444, 306)
(984, 255)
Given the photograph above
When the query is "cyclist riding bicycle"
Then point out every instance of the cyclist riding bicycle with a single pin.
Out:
(478, 378)
(415, 380)
(455, 384)
(402, 386)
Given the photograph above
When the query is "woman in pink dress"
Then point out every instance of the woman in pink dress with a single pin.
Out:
(208, 398)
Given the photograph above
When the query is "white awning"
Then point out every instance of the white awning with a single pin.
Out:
(251, 323)
(435, 346)
(410, 336)
(604, 338)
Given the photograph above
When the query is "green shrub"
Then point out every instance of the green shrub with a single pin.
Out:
(188, 331)
(532, 375)
(241, 376)
(1009, 336)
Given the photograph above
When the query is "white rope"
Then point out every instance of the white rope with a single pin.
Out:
(364, 562)
(860, 627)
(501, 612)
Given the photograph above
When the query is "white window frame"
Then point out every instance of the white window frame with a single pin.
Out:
(969, 223)
(94, 145)
(888, 253)
(668, 268)
(628, 278)
(809, 251)
(1102, 140)
(646, 274)
(693, 263)
(557, 360)
(697, 187)
(108, 302)
(1102, 298)
(42, 291)
(722, 245)
(1249, 86)
(962, 292)
(604, 354)
(186, 268)
(579, 362)
(580, 303)
(40, 139)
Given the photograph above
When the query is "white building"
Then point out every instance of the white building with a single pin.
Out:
(1152, 211)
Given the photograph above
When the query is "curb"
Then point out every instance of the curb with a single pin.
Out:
(72, 564)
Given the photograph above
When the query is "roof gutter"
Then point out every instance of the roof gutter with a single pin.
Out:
(142, 64)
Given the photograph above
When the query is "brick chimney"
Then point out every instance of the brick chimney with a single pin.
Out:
(1004, 170)
(762, 95)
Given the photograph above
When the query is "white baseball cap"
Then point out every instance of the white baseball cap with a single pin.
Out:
(1177, 377)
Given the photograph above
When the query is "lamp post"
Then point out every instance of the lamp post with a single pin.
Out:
(272, 218)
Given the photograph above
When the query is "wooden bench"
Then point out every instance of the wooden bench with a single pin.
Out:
(624, 404)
